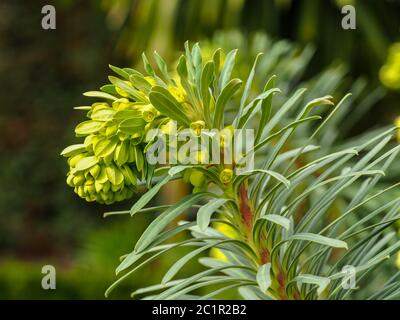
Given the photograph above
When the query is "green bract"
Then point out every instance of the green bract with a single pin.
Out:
(94, 180)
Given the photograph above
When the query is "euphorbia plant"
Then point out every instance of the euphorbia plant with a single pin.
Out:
(285, 241)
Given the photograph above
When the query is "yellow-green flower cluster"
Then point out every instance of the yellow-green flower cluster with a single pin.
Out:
(196, 178)
(390, 72)
(94, 180)
(108, 164)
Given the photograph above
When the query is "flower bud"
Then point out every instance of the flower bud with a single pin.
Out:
(197, 178)
(121, 104)
(98, 186)
(149, 113)
(121, 153)
(75, 159)
(197, 127)
(102, 182)
(95, 170)
(226, 176)
(111, 130)
(78, 180)
(70, 179)
(107, 186)
(151, 81)
(123, 136)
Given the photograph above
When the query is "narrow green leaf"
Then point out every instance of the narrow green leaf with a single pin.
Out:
(205, 212)
(271, 173)
(145, 199)
(266, 107)
(227, 69)
(165, 102)
(86, 163)
(280, 220)
(109, 88)
(141, 83)
(105, 114)
(281, 113)
(99, 94)
(264, 277)
(126, 114)
(132, 257)
(120, 72)
(226, 94)
(165, 218)
(249, 82)
(132, 125)
(114, 175)
(290, 126)
(207, 77)
(319, 239)
(85, 108)
(321, 282)
(147, 66)
(88, 127)
(253, 107)
(73, 150)
(105, 147)
(162, 65)
(177, 169)
(178, 265)
(127, 88)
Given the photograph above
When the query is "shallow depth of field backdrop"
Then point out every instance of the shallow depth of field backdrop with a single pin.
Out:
(42, 75)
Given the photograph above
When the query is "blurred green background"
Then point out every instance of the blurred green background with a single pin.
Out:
(42, 75)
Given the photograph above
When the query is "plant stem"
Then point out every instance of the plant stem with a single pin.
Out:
(247, 218)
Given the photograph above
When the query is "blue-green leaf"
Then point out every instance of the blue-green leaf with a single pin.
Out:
(167, 217)
(264, 277)
(205, 212)
(226, 94)
(317, 238)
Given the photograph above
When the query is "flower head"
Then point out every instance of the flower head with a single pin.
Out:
(390, 72)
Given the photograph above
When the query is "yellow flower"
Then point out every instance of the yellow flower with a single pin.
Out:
(149, 113)
(217, 254)
(390, 76)
(226, 176)
(227, 231)
(398, 260)
(151, 80)
(178, 93)
(181, 96)
(197, 178)
(342, 3)
(390, 72)
(197, 126)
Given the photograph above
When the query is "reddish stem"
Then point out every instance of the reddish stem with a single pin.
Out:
(245, 209)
